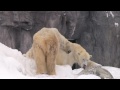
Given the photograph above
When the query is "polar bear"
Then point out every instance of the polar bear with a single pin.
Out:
(46, 43)
(90, 67)
(50, 48)
(96, 69)
(77, 55)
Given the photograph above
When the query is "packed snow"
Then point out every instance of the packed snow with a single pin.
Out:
(13, 65)
(109, 13)
(112, 14)
(116, 24)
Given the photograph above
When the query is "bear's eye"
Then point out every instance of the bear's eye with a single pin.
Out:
(78, 53)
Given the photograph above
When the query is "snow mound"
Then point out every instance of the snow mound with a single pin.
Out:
(13, 65)
(114, 71)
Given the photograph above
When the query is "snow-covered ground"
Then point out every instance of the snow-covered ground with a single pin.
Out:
(13, 65)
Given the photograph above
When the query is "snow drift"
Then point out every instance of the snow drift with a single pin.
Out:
(13, 65)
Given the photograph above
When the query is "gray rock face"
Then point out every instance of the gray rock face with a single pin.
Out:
(102, 38)
(97, 31)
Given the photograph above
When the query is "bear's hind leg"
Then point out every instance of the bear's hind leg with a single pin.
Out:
(51, 64)
(51, 59)
(40, 60)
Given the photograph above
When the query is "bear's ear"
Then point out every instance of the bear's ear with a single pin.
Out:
(90, 56)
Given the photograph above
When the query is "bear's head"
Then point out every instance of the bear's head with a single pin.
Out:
(81, 56)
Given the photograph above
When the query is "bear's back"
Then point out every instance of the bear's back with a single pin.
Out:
(46, 33)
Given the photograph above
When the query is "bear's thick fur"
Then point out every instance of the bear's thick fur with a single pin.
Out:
(77, 55)
(50, 48)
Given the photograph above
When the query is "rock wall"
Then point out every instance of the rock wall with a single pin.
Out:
(97, 31)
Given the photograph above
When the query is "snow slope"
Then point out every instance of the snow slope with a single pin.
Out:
(13, 65)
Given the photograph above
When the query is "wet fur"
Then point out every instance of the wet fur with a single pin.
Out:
(96, 69)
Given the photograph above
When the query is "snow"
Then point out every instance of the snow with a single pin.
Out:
(73, 31)
(108, 13)
(114, 71)
(116, 24)
(112, 14)
(13, 65)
